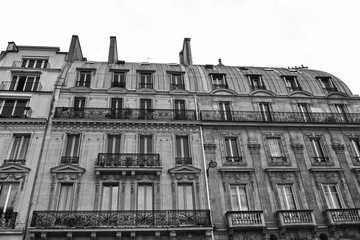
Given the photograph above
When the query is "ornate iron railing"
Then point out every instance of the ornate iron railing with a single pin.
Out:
(118, 84)
(343, 216)
(69, 160)
(120, 219)
(281, 117)
(126, 113)
(83, 83)
(14, 161)
(29, 86)
(182, 160)
(128, 160)
(296, 217)
(234, 159)
(15, 112)
(253, 218)
(7, 219)
(145, 85)
(321, 161)
(174, 86)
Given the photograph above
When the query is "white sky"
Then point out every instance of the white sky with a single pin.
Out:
(321, 34)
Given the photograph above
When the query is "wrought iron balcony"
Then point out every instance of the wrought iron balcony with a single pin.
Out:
(121, 219)
(246, 219)
(296, 218)
(29, 86)
(321, 161)
(14, 161)
(128, 160)
(350, 216)
(233, 159)
(118, 84)
(145, 85)
(22, 64)
(15, 112)
(126, 113)
(83, 83)
(7, 219)
(69, 160)
(177, 86)
(280, 117)
(217, 86)
(183, 160)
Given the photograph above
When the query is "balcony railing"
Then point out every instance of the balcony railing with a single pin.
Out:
(278, 161)
(177, 86)
(21, 64)
(217, 86)
(238, 219)
(69, 160)
(83, 83)
(233, 159)
(29, 86)
(121, 219)
(128, 160)
(350, 216)
(118, 84)
(145, 85)
(127, 113)
(294, 218)
(183, 160)
(281, 117)
(7, 219)
(15, 112)
(321, 161)
(14, 161)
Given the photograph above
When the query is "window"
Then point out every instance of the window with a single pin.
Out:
(177, 81)
(327, 84)
(318, 151)
(225, 112)
(304, 112)
(34, 63)
(8, 192)
(113, 144)
(239, 199)
(14, 108)
(66, 195)
(256, 82)
(79, 103)
(20, 147)
(145, 197)
(179, 110)
(332, 196)
(146, 111)
(218, 81)
(340, 109)
(84, 79)
(182, 150)
(110, 197)
(145, 80)
(287, 197)
(276, 150)
(72, 146)
(116, 108)
(292, 83)
(265, 111)
(119, 80)
(232, 151)
(24, 83)
(185, 197)
(146, 144)
(355, 147)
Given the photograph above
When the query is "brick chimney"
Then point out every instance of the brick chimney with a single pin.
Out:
(75, 53)
(113, 55)
(185, 54)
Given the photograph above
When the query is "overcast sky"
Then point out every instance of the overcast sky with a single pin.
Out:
(321, 34)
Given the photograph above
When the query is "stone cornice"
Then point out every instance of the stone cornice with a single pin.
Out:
(22, 123)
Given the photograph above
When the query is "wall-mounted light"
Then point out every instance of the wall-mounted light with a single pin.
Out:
(212, 164)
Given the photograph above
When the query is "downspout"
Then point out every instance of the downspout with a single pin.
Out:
(41, 153)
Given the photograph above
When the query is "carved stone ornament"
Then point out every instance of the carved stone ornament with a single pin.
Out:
(338, 148)
(282, 177)
(14, 172)
(254, 147)
(237, 177)
(190, 236)
(327, 177)
(210, 147)
(297, 147)
(147, 177)
(110, 177)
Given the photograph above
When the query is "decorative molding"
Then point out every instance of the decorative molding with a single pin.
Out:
(254, 148)
(297, 147)
(210, 147)
(338, 147)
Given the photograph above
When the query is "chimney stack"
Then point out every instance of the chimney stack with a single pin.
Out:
(185, 54)
(11, 47)
(113, 55)
(75, 53)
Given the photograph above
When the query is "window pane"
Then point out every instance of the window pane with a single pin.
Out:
(274, 146)
(145, 197)
(65, 197)
(105, 198)
(185, 197)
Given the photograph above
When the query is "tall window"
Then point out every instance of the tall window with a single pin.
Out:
(318, 151)
(177, 81)
(225, 111)
(327, 84)
(20, 147)
(276, 150)
(332, 196)
(119, 80)
(110, 197)
(185, 197)
(265, 111)
(66, 195)
(34, 63)
(8, 192)
(218, 81)
(239, 200)
(146, 144)
(14, 108)
(72, 146)
(79, 103)
(182, 150)
(292, 83)
(355, 146)
(24, 83)
(287, 197)
(145, 109)
(179, 109)
(303, 109)
(256, 82)
(84, 79)
(145, 197)
(340, 109)
(232, 151)
(146, 80)
(116, 108)
(113, 143)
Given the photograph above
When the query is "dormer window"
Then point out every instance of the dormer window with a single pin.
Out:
(177, 81)
(292, 83)
(34, 63)
(146, 80)
(119, 80)
(327, 84)
(84, 79)
(218, 81)
(256, 82)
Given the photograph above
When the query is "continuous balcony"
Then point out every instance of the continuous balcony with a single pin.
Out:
(120, 219)
(7, 219)
(280, 117)
(69, 160)
(15, 112)
(183, 160)
(350, 216)
(127, 113)
(245, 219)
(174, 86)
(29, 86)
(14, 161)
(296, 218)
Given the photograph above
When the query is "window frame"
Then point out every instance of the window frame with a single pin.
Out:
(145, 147)
(141, 184)
(286, 200)
(114, 147)
(15, 109)
(327, 84)
(72, 196)
(9, 194)
(177, 81)
(239, 202)
(338, 192)
(182, 158)
(25, 62)
(218, 80)
(146, 82)
(86, 81)
(234, 159)
(260, 85)
(185, 200)
(318, 159)
(121, 79)
(225, 110)
(28, 85)
(12, 150)
(110, 203)
(74, 145)
(292, 83)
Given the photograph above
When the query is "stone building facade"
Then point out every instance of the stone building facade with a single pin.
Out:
(184, 151)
